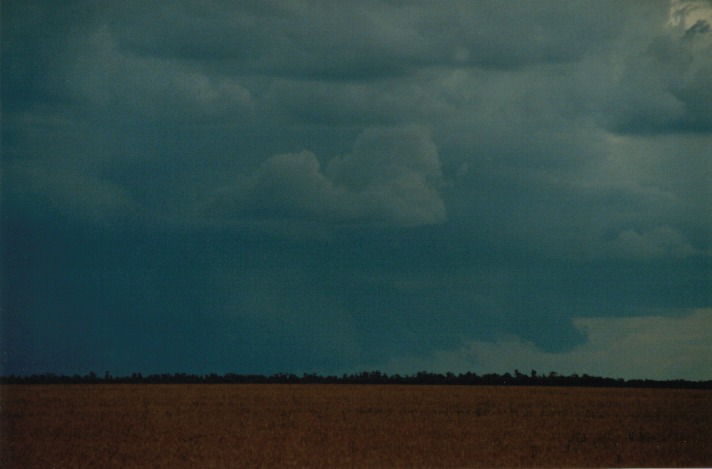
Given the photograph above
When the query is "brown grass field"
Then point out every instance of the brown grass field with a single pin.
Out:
(110, 425)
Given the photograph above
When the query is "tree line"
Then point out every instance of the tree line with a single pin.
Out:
(366, 377)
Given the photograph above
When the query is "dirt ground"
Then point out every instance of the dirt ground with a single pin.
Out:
(205, 425)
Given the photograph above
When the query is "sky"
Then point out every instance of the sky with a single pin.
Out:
(337, 186)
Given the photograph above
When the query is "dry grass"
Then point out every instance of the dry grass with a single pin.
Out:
(360, 425)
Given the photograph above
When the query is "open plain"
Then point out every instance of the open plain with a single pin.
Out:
(181, 425)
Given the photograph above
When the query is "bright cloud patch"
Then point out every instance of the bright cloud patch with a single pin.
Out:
(391, 178)
(653, 347)
(659, 242)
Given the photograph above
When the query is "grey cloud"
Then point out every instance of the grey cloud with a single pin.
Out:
(565, 143)
(667, 88)
(700, 27)
(654, 191)
(661, 242)
(382, 102)
(667, 178)
(526, 134)
(105, 78)
(617, 347)
(347, 40)
(383, 155)
(391, 177)
(279, 38)
(87, 197)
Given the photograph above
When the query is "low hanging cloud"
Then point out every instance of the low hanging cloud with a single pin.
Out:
(654, 347)
(391, 178)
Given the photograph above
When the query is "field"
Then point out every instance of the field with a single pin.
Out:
(351, 425)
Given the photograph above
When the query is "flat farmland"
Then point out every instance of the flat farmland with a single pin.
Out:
(239, 425)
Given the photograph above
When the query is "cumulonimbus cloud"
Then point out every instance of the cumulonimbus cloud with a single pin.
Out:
(391, 178)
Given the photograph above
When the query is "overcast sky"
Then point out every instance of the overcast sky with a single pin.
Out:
(295, 186)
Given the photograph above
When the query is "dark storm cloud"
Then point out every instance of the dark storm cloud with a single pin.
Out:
(359, 40)
(279, 186)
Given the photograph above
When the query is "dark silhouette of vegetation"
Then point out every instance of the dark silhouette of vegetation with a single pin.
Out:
(365, 377)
